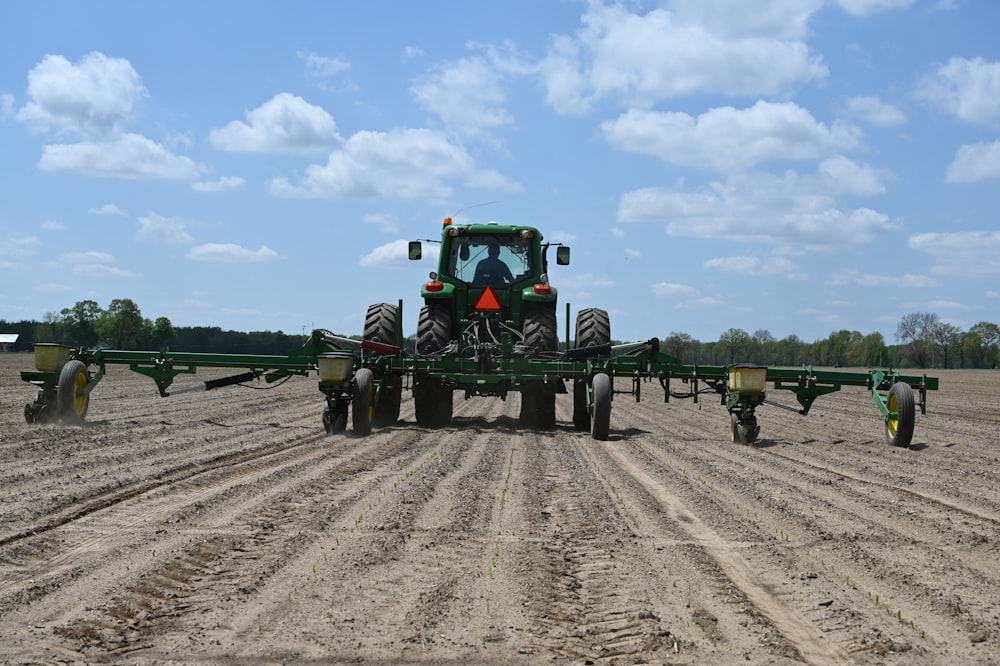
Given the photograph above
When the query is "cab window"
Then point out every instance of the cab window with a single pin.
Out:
(470, 260)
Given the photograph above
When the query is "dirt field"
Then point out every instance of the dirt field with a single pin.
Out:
(226, 527)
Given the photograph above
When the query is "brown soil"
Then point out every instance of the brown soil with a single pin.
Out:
(226, 527)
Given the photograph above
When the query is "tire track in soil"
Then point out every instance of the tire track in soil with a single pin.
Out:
(871, 542)
(231, 518)
(811, 643)
(869, 526)
(582, 599)
(417, 550)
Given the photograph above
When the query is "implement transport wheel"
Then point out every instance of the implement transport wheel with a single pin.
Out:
(71, 404)
(382, 325)
(600, 420)
(433, 329)
(362, 403)
(593, 328)
(432, 402)
(899, 429)
(29, 414)
(538, 399)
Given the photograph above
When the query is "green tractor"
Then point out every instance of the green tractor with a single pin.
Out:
(489, 303)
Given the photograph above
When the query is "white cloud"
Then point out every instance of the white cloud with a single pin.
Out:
(52, 225)
(91, 257)
(778, 19)
(962, 254)
(93, 263)
(726, 138)
(617, 232)
(284, 124)
(409, 164)
(19, 247)
(7, 103)
(231, 253)
(107, 209)
(673, 290)
(93, 98)
(975, 162)
(322, 67)
(390, 255)
(102, 270)
(857, 278)
(478, 82)
(382, 221)
(869, 7)
(632, 254)
(223, 184)
(788, 211)
(968, 89)
(749, 265)
(130, 156)
(153, 227)
(840, 175)
(874, 111)
(639, 59)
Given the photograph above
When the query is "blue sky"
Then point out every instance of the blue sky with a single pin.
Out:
(800, 166)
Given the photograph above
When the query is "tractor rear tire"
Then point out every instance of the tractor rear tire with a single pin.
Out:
(540, 332)
(382, 325)
(71, 407)
(433, 329)
(899, 431)
(593, 328)
(538, 399)
(600, 420)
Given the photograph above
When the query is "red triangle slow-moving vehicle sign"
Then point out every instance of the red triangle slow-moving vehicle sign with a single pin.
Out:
(488, 301)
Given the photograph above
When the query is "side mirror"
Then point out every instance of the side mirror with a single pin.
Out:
(562, 255)
(463, 252)
(415, 250)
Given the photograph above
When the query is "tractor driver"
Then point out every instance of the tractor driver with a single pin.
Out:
(491, 270)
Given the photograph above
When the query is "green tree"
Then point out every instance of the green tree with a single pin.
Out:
(947, 341)
(162, 333)
(49, 329)
(734, 343)
(914, 331)
(872, 352)
(122, 324)
(80, 322)
(981, 344)
(763, 345)
(676, 343)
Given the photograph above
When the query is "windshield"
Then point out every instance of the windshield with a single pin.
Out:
(482, 260)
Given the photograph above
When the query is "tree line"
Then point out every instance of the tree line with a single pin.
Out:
(122, 326)
(922, 340)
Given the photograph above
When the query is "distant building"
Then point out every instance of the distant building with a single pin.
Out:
(8, 341)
